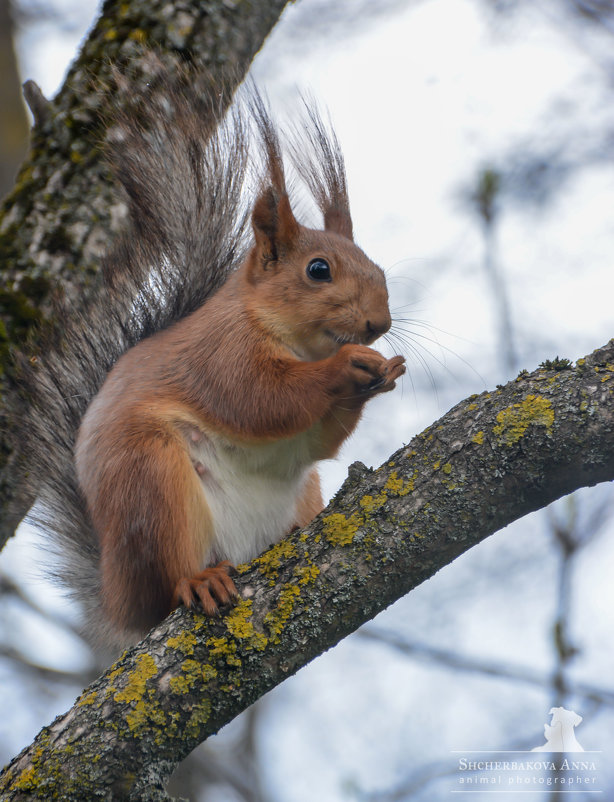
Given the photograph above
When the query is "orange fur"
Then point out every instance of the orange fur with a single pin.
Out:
(273, 357)
(310, 502)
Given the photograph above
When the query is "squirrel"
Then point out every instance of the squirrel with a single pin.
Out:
(235, 363)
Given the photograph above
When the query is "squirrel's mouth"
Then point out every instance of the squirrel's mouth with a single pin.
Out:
(340, 339)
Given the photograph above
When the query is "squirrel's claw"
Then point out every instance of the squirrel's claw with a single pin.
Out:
(212, 587)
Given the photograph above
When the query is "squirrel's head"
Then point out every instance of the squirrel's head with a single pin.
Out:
(313, 290)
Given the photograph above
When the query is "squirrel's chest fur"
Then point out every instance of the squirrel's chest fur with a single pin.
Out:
(251, 490)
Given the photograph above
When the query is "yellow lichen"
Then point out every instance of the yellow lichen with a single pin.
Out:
(88, 699)
(208, 672)
(307, 574)
(239, 625)
(183, 642)
(192, 672)
(224, 649)
(26, 780)
(198, 718)
(513, 422)
(339, 530)
(447, 468)
(398, 486)
(136, 680)
(116, 673)
(270, 562)
(478, 438)
(276, 619)
(144, 714)
(372, 503)
(180, 685)
(237, 620)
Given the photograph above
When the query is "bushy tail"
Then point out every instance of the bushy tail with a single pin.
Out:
(182, 163)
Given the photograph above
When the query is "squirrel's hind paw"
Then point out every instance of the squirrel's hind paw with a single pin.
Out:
(213, 587)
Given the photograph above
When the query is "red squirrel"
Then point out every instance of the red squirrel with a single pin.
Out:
(199, 449)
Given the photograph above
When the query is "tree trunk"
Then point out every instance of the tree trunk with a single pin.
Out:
(59, 218)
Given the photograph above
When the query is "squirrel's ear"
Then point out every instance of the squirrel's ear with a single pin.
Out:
(275, 227)
(338, 220)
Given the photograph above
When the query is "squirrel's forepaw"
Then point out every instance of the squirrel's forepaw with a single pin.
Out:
(394, 369)
(384, 373)
(213, 587)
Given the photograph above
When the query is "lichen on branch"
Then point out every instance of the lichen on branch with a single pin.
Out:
(490, 460)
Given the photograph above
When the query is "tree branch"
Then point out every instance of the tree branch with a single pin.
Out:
(457, 661)
(490, 460)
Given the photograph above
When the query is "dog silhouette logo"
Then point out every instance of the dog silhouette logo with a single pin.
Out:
(560, 735)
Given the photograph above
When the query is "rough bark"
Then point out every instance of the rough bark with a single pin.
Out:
(13, 121)
(490, 460)
(57, 221)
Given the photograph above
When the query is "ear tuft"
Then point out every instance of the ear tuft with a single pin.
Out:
(275, 227)
(321, 167)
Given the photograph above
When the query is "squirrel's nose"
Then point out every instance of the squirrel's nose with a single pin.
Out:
(376, 326)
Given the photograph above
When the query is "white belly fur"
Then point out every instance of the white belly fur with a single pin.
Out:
(251, 491)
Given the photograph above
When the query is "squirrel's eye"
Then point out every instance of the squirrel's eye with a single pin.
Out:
(319, 270)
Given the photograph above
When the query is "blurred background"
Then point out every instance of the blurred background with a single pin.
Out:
(479, 143)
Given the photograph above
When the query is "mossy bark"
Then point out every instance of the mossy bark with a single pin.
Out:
(490, 460)
(63, 211)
